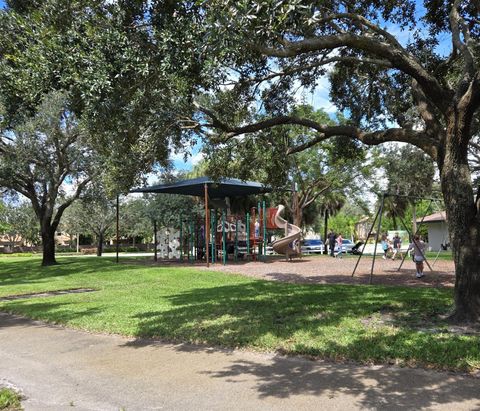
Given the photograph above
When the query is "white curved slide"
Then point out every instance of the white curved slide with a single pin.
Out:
(288, 245)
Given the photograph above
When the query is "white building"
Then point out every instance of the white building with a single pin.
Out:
(437, 230)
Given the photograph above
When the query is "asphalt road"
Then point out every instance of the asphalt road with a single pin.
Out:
(61, 369)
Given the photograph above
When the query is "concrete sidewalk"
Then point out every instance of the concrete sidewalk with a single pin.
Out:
(59, 369)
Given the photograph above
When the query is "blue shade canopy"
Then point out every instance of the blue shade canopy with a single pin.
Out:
(228, 187)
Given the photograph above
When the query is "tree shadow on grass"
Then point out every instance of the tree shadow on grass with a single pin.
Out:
(311, 320)
(262, 310)
(52, 312)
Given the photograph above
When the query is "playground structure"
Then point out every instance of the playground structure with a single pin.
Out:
(217, 235)
(232, 236)
(290, 244)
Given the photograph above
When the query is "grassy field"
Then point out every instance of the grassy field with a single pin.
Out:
(368, 324)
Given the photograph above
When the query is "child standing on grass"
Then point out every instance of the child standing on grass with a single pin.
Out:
(418, 247)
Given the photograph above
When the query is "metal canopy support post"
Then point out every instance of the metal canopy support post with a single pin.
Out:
(206, 232)
(190, 242)
(117, 249)
(248, 235)
(212, 231)
(376, 237)
(366, 240)
(155, 240)
(325, 251)
(181, 239)
(236, 239)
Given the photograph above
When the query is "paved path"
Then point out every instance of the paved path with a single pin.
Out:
(60, 369)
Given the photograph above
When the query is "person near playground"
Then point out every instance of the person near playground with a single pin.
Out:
(418, 247)
(386, 246)
(339, 245)
(397, 245)
(331, 243)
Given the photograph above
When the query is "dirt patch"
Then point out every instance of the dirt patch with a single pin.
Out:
(436, 324)
(47, 294)
(328, 270)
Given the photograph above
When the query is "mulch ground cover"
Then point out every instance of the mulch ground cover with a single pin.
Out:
(329, 270)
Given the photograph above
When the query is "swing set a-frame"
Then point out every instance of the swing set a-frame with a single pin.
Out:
(378, 217)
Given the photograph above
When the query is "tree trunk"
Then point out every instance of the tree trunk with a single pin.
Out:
(463, 221)
(48, 243)
(100, 244)
(298, 216)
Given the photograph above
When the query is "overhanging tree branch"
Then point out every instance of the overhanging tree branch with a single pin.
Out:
(459, 30)
(291, 71)
(397, 57)
(418, 138)
(67, 203)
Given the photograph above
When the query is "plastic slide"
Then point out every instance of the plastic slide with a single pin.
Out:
(288, 245)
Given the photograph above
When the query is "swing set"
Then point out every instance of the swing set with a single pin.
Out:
(379, 216)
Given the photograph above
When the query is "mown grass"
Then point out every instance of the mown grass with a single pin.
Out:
(338, 322)
(9, 400)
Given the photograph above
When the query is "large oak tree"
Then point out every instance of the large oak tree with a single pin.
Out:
(424, 91)
(46, 159)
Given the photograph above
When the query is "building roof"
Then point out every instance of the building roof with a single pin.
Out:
(227, 187)
(434, 218)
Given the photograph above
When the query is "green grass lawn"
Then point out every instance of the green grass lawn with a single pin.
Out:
(368, 324)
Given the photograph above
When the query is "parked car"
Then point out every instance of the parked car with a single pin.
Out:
(347, 246)
(312, 246)
(269, 250)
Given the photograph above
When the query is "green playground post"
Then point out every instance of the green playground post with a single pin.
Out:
(224, 239)
(215, 239)
(248, 234)
(212, 238)
(259, 228)
(264, 230)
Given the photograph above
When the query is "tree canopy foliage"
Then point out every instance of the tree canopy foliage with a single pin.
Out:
(19, 223)
(122, 65)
